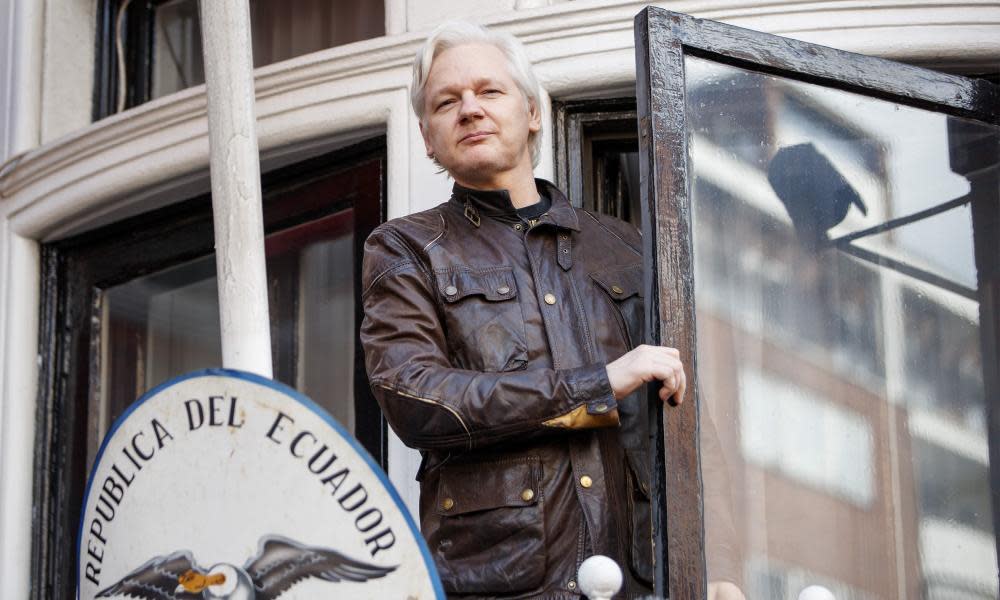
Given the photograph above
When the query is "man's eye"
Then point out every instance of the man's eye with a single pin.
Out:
(444, 103)
(492, 92)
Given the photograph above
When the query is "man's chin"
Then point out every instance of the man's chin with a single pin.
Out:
(476, 173)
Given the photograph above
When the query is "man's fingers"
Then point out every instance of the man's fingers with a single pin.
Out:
(665, 394)
(674, 382)
(672, 396)
(646, 364)
(664, 365)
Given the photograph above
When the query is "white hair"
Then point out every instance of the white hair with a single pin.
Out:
(457, 33)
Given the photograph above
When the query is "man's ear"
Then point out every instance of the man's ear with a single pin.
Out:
(534, 117)
(427, 143)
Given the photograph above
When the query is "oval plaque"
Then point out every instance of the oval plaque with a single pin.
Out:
(225, 484)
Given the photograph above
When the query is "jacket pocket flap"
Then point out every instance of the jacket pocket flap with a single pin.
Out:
(472, 488)
(638, 461)
(620, 282)
(492, 283)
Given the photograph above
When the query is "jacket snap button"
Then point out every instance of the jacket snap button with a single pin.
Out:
(616, 289)
(599, 408)
(571, 585)
(586, 481)
(527, 495)
(550, 299)
(517, 226)
(450, 290)
(503, 289)
(448, 504)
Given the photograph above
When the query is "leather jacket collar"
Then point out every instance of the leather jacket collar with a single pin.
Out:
(497, 204)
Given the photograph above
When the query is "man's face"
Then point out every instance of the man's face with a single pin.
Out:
(476, 120)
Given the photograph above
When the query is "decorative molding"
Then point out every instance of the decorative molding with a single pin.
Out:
(579, 47)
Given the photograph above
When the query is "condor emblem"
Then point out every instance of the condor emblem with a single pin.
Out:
(224, 484)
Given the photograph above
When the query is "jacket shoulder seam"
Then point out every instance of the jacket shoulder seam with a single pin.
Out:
(399, 266)
(412, 259)
(439, 236)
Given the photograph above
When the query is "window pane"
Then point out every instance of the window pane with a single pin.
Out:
(280, 30)
(846, 387)
(165, 324)
(284, 29)
(177, 53)
(314, 319)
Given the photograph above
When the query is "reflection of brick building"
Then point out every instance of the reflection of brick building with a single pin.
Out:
(102, 209)
(849, 397)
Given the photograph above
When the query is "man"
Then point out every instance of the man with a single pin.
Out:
(499, 332)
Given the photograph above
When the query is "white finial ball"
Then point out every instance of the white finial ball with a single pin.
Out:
(599, 577)
(816, 592)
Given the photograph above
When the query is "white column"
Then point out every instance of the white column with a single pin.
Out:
(236, 199)
(21, 25)
(18, 392)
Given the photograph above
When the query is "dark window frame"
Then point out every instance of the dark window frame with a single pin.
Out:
(75, 270)
(579, 125)
(137, 43)
(663, 39)
(138, 38)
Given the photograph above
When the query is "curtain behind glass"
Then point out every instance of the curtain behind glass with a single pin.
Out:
(165, 324)
(280, 30)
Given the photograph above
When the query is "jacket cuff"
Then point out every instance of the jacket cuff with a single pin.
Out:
(591, 386)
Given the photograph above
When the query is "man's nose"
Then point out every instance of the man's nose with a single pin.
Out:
(470, 107)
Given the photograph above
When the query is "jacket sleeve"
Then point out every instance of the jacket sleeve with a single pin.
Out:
(430, 404)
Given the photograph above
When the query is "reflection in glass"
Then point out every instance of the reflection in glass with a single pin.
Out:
(844, 376)
(165, 324)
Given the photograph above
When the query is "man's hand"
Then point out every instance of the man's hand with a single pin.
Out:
(645, 364)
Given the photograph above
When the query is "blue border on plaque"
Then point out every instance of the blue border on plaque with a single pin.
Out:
(294, 395)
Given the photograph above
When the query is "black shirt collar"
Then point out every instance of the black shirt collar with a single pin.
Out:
(497, 204)
(536, 210)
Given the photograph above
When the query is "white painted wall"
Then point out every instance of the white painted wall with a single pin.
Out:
(68, 66)
(427, 14)
(88, 174)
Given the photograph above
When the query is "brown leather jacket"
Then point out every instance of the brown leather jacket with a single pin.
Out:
(486, 342)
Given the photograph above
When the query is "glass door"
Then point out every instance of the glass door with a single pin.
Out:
(822, 228)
